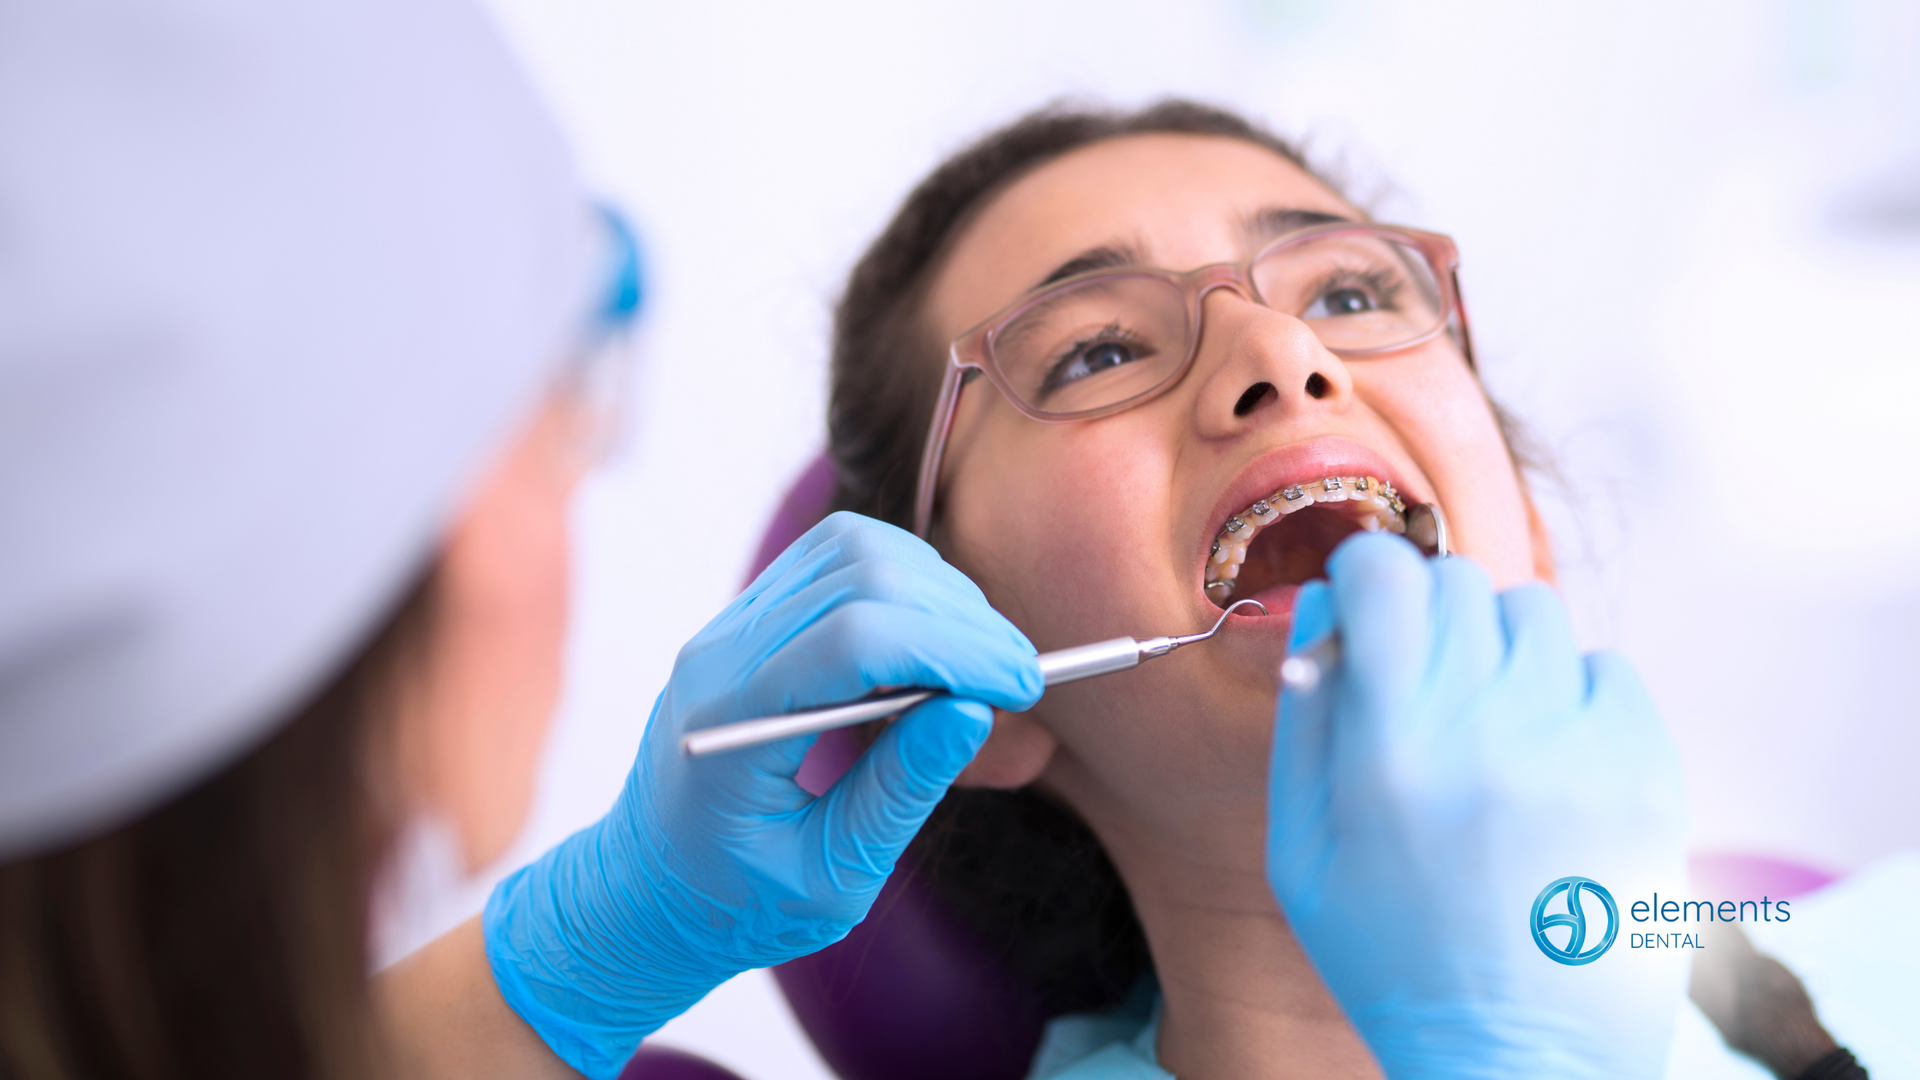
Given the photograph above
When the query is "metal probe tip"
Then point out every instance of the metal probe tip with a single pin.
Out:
(1220, 622)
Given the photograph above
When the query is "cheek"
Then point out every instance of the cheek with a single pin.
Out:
(510, 588)
(1440, 411)
(498, 653)
(1063, 527)
(526, 619)
(1066, 529)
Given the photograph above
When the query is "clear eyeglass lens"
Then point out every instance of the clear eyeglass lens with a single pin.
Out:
(1114, 337)
(597, 381)
(1096, 344)
(1358, 291)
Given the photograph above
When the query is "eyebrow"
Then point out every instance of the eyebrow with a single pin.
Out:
(1277, 221)
(1258, 227)
(1104, 257)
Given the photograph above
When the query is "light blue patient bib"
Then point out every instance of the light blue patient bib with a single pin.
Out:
(1118, 1045)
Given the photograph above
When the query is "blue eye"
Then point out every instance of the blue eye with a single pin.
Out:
(1344, 301)
(1107, 354)
(1091, 359)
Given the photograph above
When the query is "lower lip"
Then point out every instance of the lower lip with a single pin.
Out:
(1277, 599)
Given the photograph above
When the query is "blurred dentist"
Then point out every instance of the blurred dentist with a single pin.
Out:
(299, 315)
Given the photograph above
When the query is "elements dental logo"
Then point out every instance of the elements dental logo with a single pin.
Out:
(1574, 919)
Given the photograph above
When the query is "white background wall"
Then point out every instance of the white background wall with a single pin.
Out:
(1691, 243)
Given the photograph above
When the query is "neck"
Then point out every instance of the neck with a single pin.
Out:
(1240, 998)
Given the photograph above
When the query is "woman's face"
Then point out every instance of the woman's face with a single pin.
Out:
(1085, 531)
(471, 733)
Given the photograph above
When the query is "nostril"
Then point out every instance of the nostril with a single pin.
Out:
(1317, 386)
(1251, 400)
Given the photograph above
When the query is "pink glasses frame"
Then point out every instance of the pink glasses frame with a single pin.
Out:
(973, 349)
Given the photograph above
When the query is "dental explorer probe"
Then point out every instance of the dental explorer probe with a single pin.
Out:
(1057, 667)
(1302, 672)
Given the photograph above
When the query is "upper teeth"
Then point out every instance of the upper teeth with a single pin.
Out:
(1381, 509)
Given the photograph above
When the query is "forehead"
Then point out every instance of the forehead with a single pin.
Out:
(1179, 201)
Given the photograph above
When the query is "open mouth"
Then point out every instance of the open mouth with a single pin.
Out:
(1285, 538)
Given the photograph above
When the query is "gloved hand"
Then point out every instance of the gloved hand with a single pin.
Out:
(1464, 757)
(708, 867)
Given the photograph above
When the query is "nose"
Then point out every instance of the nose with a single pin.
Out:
(1258, 365)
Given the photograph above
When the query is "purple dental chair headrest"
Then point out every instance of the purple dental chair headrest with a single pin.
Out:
(666, 1063)
(1738, 875)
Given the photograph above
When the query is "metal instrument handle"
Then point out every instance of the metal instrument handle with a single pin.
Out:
(769, 728)
(1059, 666)
(1056, 667)
(1086, 661)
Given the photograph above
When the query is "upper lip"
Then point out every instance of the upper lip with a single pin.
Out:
(1297, 464)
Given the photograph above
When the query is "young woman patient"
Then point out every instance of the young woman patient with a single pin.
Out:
(1121, 370)
(1136, 437)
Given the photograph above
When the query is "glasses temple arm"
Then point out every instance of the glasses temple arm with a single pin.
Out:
(1460, 319)
(929, 481)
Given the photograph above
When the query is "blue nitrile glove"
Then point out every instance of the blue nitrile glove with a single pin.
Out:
(1464, 757)
(708, 867)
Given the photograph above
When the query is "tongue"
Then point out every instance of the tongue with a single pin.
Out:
(1277, 599)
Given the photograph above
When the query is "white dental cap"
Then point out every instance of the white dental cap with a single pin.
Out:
(276, 283)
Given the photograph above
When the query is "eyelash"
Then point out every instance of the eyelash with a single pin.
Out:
(1110, 333)
(1383, 286)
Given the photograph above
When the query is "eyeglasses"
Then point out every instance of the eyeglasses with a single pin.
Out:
(601, 367)
(1104, 341)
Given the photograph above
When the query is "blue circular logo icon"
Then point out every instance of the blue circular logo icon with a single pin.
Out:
(1574, 919)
